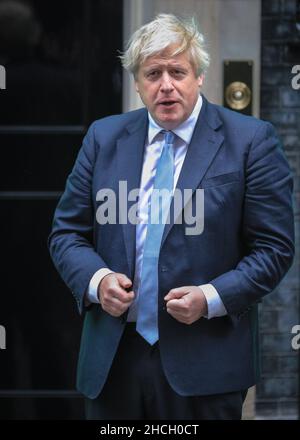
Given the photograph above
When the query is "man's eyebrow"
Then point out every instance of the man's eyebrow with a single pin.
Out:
(178, 66)
(158, 65)
(152, 66)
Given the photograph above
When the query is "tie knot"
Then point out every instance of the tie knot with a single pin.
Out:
(169, 137)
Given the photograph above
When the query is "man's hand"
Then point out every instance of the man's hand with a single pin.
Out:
(113, 297)
(186, 304)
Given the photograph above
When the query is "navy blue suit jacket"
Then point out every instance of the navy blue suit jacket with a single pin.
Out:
(244, 251)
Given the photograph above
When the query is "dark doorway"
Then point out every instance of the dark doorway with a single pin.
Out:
(62, 72)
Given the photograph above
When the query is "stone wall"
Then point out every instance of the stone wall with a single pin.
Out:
(280, 104)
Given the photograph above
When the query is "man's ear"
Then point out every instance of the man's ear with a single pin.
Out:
(200, 80)
(136, 86)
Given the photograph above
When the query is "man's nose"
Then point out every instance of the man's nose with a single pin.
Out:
(166, 83)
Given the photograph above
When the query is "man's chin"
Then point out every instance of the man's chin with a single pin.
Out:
(169, 122)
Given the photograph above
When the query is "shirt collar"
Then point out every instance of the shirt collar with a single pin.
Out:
(184, 130)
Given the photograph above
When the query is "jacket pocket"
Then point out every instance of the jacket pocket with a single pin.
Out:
(221, 179)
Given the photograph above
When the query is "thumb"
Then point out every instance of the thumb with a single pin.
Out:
(177, 293)
(124, 281)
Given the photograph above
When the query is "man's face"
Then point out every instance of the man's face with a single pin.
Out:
(168, 87)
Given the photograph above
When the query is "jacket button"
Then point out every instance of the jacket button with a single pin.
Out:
(164, 269)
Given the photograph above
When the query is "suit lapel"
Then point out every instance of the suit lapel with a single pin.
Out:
(202, 150)
(130, 151)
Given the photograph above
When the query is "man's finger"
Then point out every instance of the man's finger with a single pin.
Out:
(178, 292)
(124, 281)
(125, 297)
(121, 295)
(178, 316)
(177, 305)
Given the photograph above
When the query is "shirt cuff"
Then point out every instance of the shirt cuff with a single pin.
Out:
(92, 292)
(215, 305)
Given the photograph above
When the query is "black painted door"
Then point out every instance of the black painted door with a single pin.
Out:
(62, 72)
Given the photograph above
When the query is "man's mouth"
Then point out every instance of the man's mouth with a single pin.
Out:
(167, 103)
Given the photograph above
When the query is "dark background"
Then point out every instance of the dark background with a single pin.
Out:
(62, 72)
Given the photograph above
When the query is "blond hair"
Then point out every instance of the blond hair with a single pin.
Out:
(156, 36)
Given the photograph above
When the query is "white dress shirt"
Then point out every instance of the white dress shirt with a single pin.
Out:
(153, 149)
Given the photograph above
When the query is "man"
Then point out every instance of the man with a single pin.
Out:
(170, 327)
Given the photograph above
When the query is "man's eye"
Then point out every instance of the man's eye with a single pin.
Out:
(178, 72)
(153, 74)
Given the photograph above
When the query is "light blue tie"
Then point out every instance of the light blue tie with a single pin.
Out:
(158, 213)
